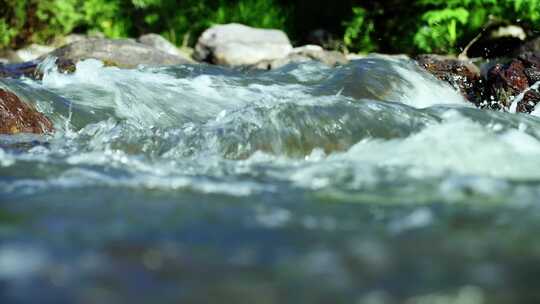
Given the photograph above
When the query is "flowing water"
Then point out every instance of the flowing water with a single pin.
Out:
(368, 183)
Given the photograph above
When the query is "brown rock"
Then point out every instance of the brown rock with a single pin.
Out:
(529, 101)
(531, 61)
(504, 82)
(463, 75)
(17, 116)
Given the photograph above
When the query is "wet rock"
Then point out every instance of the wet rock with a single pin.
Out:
(463, 75)
(17, 116)
(239, 45)
(504, 82)
(121, 53)
(528, 103)
(531, 61)
(16, 70)
(305, 53)
(158, 42)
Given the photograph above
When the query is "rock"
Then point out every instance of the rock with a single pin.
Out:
(463, 75)
(121, 53)
(29, 53)
(305, 53)
(33, 52)
(316, 52)
(531, 61)
(497, 40)
(158, 42)
(17, 116)
(528, 103)
(353, 56)
(239, 45)
(64, 40)
(16, 70)
(504, 82)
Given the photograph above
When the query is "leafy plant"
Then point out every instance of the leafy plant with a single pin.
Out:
(446, 24)
(440, 32)
(358, 31)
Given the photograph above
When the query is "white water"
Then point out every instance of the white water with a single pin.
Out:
(214, 130)
(197, 184)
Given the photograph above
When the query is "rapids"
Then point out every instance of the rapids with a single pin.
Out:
(371, 182)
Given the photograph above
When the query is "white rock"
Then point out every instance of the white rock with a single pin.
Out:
(236, 44)
(31, 52)
(158, 42)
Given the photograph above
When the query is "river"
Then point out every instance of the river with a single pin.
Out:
(368, 183)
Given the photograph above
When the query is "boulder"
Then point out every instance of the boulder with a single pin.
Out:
(463, 75)
(305, 53)
(123, 53)
(239, 45)
(17, 116)
(158, 42)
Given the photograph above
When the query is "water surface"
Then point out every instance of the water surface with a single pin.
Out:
(370, 182)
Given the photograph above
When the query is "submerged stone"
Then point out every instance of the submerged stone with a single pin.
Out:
(17, 116)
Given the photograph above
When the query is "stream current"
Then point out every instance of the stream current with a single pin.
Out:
(370, 182)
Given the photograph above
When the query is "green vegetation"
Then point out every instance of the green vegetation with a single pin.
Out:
(448, 22)
(25, 21)
(441, 26)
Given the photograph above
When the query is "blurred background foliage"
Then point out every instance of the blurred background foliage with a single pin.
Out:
(390, 26)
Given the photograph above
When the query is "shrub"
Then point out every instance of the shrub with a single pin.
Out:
(25, 21)
(433, 25)
(446, 24)
(359, 31)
